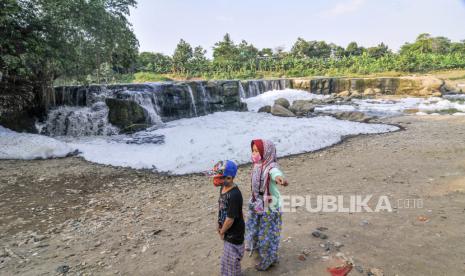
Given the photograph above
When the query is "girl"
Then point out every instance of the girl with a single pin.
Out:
(263, 227)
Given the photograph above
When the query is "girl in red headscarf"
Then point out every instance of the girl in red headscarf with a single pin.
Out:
(263, 227)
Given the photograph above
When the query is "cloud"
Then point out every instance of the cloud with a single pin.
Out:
(345, 7)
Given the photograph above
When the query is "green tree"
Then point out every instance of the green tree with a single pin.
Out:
(199, 63)
(265, 52)
(246, 51)
(225, 50)
(182, 55)
(153, 62)
(312, 49)
(378, 51)
(353, 49)
(46, 39)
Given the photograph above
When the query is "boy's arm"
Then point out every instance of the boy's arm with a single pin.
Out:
(228, 222)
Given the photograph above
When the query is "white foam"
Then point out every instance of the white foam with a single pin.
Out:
(386, 107)
(268, 98)
(195, 144)
(14, 145)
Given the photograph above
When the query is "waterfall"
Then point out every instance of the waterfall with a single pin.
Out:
(204, 97)
(254, 89)
(82, 110)
(192, 100)
(78, 121)
(241, 91)
(148, 101)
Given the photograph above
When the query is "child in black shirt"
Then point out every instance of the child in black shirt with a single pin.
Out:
(231, 226)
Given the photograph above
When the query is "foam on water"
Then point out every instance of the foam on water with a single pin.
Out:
(195, 144)
(14, 145)
(385, 107)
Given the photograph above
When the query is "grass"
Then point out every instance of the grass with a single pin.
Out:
(149, 77)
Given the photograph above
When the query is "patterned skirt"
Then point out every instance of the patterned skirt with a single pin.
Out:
(231, 259)
(263, 233)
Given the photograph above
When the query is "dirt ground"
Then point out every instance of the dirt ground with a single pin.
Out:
(71, 215)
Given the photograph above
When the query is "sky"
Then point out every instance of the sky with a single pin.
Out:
(160, 24)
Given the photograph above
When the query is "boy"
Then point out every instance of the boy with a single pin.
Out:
(231, 226)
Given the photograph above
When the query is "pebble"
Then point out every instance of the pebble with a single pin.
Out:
(359, 269)
(318, 234)
(63, 269)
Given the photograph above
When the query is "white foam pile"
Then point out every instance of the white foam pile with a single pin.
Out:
(268, 98)
(195, 144)
(386, 107)
(14, 145)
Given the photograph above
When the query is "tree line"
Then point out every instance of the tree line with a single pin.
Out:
(305, 58)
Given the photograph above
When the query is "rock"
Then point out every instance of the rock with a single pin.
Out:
(343, 94)
(364, 222)
(266, 109)
(375, 272)
(306, 251)
(126, 114)
(302, 107)
(355, 116)
(278, 110)
(355, 94)
(63, 269)
(436, 94)
(3, 253)
(369, 92)
(38, 238)
(377, 91)
(302, 257)
(318, 234)
(329, 101)
(322, 228)
(358, 268)
(282, 102)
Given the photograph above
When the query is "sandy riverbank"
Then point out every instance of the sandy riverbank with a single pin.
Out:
(101, 220)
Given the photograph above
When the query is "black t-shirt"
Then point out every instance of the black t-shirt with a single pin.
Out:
(230, 205)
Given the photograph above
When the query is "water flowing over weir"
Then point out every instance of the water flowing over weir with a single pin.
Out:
(110, 109)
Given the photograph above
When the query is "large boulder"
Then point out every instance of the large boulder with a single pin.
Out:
(355, 116)
(281, 111)
(302, 107)
(369, 92)
(343, 94)
(282, 102)
(126, 114)
(265, 109)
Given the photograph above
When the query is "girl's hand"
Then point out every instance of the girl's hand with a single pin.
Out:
(281, 181)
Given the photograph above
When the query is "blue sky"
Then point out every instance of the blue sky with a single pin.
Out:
(159, 24)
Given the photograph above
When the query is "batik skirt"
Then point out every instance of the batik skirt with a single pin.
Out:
(263, 233)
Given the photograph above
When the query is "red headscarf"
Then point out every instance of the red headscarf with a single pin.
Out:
(261, 172)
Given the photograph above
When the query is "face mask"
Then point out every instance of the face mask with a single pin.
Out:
(256, 158)
(218, 180)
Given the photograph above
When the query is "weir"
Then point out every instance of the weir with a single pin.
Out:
(88, 110)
